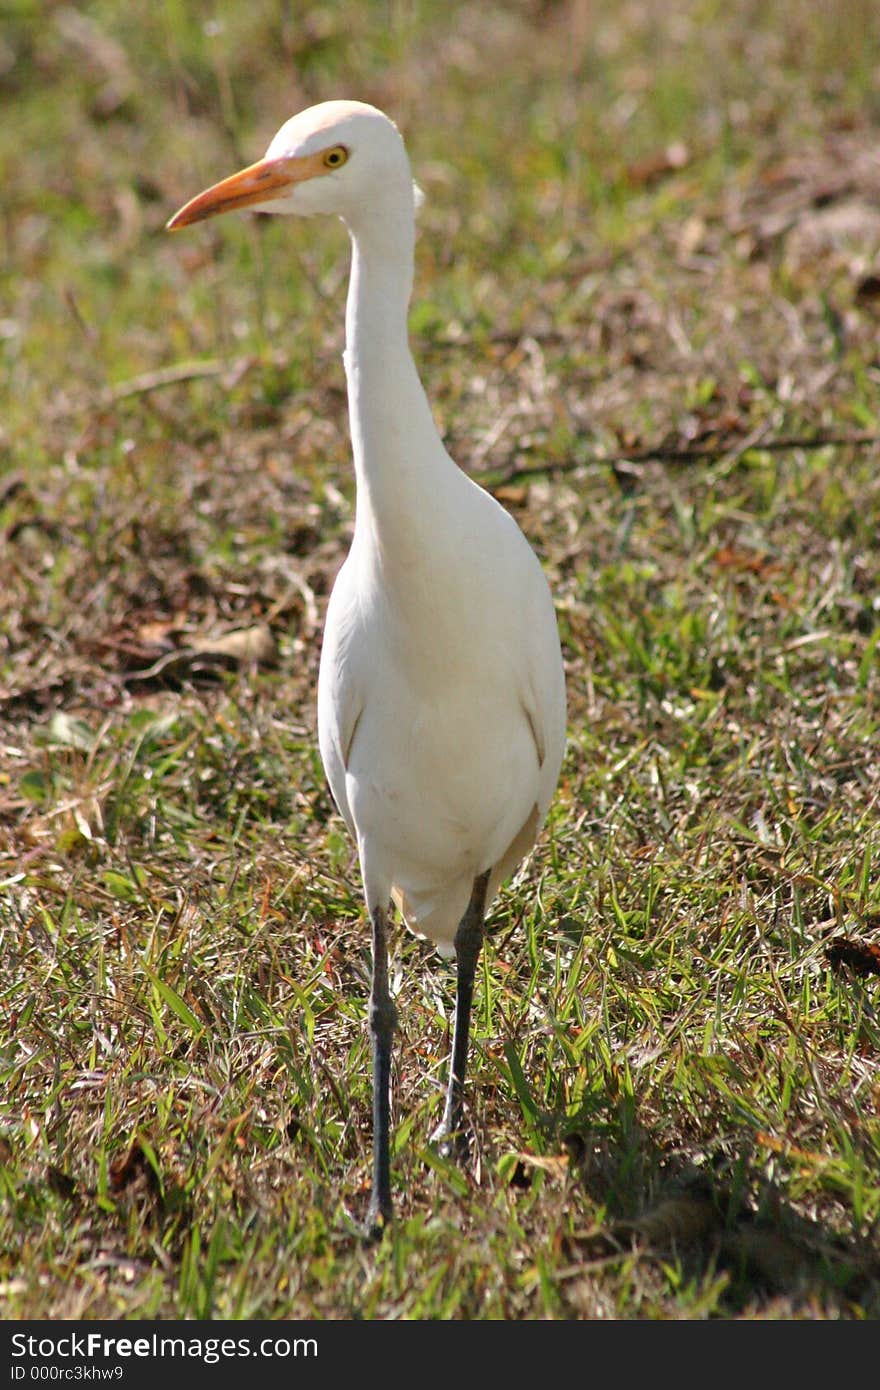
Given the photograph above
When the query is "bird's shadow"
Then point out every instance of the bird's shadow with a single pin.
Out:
(722, 1215)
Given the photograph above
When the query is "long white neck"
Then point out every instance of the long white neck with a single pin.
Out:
(399, 458)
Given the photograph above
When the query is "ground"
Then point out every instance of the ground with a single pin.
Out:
(646, 314)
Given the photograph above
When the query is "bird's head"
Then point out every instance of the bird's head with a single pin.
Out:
(338, 157)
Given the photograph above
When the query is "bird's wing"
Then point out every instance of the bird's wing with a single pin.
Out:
(542, 695)
(340, 694)
(339, 714)
(532, 639)
(536, 727)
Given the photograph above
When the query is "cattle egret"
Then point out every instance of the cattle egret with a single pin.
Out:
(441, 696)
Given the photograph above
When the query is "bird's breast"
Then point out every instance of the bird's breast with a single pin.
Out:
(426, 719)
(443, 780)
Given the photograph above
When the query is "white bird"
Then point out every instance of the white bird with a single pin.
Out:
(441, 694)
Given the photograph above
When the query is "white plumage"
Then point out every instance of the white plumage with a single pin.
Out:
(441, 699)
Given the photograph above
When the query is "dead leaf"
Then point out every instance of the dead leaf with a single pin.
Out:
(677, 1220)
(555, 1164)
(156, 631)
(862, 957)
(655, 166)
(729, 557)
(132, 1170)
(788, 1150)
(691, 237)
(512, 494)
(768, 1254)
(247, 645)
(868, 288)
(61, 1183)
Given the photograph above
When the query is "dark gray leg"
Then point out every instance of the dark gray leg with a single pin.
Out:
(468, 943)
(383, 1021)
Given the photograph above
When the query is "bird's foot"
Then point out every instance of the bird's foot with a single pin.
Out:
(378, 1219)
(451, 1141)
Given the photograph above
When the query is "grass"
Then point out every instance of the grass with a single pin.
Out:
(646, 314)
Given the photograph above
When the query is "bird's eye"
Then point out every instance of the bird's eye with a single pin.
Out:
(336, 157)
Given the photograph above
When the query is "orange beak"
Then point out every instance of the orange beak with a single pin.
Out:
(259, 183)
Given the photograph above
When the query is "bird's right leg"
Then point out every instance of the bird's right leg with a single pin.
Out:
(468, 942)
(383, 1020)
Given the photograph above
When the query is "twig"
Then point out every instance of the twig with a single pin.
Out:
(682, 454)
(172, 376)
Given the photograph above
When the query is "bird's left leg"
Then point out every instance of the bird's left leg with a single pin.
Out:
(383, 1020)
(468, 943)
